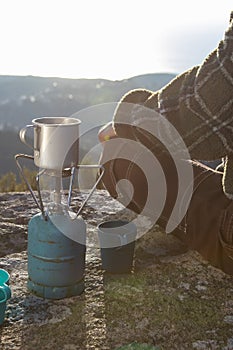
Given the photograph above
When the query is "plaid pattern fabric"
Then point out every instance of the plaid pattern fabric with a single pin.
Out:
(205, 99)
(197, 103)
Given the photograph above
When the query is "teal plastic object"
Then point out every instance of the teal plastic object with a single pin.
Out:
(56, 256)
(3, 299)
(5, 293)
(4, 282)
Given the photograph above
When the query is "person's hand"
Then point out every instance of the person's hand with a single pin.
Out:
(106, 133)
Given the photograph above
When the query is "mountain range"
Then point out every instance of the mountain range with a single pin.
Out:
(27, 97)
(23, 98)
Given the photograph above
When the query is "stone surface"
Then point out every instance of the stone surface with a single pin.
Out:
(173, 299)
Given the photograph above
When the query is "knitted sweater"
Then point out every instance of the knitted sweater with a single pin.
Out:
(197, 103)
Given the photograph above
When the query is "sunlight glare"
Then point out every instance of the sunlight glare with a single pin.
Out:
(100, 39)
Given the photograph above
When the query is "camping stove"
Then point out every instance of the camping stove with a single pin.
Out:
(56, 235)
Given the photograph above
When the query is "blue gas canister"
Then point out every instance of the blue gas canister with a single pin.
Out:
(56, 256)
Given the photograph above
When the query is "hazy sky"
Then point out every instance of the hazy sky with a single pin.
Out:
(108, 39)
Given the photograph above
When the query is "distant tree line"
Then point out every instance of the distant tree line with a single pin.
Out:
(10, 145)
(9, 182)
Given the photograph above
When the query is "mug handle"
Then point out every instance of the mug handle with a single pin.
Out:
(22, 135)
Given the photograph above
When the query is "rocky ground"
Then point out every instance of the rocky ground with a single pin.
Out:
(173, 299)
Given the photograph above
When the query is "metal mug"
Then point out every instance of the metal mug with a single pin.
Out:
(56, 142)
(117, 243)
